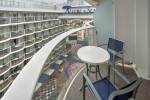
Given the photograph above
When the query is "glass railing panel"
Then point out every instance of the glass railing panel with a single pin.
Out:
(4, 36)
(17, 60)
(17, 47)
(4, 67)
(17, 33)
(27, 31)
(45, 36)
(45, 18)
(3, 85)
(4, 20)
(29, 54)
(45, 27)
(4, 51)
(29, 19)
(38, 28)
(15, 20)
(38, 38)
(55, 49)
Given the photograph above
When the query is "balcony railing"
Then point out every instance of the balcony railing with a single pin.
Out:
(4, 51)
(29, 76)
(17, 33)
(4, 36)
(17, 60)
(17, 47)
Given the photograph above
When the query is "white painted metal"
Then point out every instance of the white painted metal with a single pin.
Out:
(24, 85)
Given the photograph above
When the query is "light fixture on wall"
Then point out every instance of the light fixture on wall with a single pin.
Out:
(94, 2)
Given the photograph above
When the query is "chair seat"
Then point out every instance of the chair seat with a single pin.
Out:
(104, 88)
(116, 57)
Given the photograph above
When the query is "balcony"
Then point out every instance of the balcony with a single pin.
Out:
(4, 85)
(29, 42)
(4, 51)
(37, 39)
(4, 67)
(17, 60)
(17, 47)
(17, 33)
(4, 36)
(45, 18)
(28, 31)
(29, 54)
(15, 20)
(45, 36)
(45, 27)
(29, 19)
(38, 28)
(38, 18)
(4, 20)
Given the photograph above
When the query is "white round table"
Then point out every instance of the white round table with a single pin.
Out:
(93, 55)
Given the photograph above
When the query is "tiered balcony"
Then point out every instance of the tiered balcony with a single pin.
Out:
(4, 51)
(17, 60)
(51, 48)
(17, 47)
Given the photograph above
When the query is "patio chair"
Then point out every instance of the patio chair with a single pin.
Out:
(116, 50)
(104, 89)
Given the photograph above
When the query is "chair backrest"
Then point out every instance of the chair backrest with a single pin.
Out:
(115, 45)
(127, 91)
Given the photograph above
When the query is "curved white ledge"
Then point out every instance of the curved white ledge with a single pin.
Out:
(25, 83)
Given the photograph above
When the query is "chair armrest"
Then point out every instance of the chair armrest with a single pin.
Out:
(134, 86)
(121, 75)
(91, 87)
